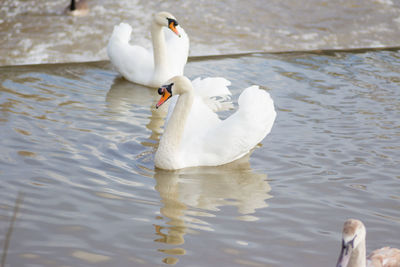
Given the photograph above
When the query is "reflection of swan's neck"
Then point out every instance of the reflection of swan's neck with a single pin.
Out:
(159, 50)
(167, 154)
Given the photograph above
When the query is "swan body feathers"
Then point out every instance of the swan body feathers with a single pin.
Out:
(151, 68)
(194, 135)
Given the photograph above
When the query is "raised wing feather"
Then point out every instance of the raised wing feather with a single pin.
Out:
(384, 257)
(224, 141)
(213, 91)
(134, 62)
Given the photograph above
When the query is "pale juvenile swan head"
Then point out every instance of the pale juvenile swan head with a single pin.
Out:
(178, 85)
(353, 237)
(166, 19)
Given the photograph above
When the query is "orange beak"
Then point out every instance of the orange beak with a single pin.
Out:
(173, 28)
(165, 95)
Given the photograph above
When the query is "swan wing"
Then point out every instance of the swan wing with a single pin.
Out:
(211, 86)
(214, 92)
(177, 50)
(235, 136)
(133, 62)
(384, 257)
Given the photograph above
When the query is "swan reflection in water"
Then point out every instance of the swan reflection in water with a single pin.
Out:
(189, 196)
(123, 94)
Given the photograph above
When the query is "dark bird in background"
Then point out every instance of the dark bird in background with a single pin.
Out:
(78, 8)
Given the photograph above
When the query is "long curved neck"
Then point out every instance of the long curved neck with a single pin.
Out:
(159, 49)
(169, 147)
(358, 256)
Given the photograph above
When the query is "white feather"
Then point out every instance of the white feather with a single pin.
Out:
(136, 64)
(209, 141)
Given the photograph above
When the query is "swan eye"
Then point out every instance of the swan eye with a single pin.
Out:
(172, 25)
(167, 87)
(174, 22)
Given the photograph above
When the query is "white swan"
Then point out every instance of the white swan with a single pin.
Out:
(353, 249)
(195, 136)
(150, 68)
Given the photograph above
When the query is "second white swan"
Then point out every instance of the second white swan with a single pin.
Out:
(146, 67)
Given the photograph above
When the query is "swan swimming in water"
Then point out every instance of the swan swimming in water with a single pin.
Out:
(168, 59)
(353, 249)
(195, 136)
(150, 68)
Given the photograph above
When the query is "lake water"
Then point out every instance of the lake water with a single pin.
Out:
(78, 142)
(78, 183)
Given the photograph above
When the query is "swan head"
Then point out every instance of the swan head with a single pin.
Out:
(166, 92)
(166, 19)
(176, 86)
(353, 235)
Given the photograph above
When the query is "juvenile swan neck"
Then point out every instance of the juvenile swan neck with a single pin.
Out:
(358, 257)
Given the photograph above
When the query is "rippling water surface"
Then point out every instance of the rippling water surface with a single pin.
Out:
(34, 31)
(77, 145)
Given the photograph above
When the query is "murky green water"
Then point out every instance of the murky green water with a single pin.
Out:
(78, 143)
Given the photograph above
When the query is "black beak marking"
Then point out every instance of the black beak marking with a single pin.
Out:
(347, 246)
(172, 21)
(165, 87)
